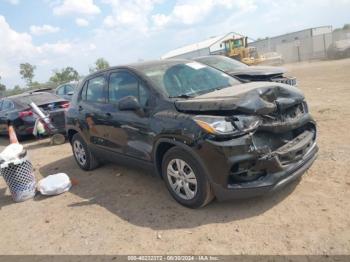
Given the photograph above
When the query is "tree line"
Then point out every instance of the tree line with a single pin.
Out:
(59, 76)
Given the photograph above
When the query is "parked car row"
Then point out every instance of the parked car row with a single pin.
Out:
(16, 109)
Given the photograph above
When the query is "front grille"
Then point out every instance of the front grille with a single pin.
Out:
(291, 113)
(244, 172)
(285, 80)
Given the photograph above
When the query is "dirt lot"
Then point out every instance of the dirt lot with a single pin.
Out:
(121, 210)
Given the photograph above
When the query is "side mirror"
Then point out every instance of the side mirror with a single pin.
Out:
(129, 103)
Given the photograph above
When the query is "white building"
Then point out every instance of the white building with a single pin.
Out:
(210, 46)
(270, 44)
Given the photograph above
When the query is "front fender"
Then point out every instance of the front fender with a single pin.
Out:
(185, 144)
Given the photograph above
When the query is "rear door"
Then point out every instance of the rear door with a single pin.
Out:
(92, 111)
(129, 131)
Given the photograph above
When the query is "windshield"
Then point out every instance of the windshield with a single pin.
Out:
(222, 63)
(187, 79)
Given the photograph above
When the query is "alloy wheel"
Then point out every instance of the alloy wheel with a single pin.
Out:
(182, 179)
(79, 152)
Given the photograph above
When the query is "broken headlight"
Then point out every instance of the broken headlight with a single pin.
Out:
(227, 125)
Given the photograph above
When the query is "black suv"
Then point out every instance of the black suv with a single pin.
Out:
(205, 133)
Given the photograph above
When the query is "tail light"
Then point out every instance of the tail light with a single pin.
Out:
(64, 105)
(25, 113)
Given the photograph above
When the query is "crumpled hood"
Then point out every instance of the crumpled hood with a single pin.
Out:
(258, 98)
(258, 71)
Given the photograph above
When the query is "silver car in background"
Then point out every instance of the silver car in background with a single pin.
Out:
(66, 90)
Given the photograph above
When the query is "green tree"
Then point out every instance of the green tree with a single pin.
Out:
(27, 72)
(37, 85)
(14, 91)
(2, 87)
(100, 64)
(346, 27)
(64, 75)
(17, 89)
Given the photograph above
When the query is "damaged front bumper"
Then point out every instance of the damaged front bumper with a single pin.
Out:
(244, 167)
(268, 183)
(285, 80)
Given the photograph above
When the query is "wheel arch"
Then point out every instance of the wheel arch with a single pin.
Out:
(164, 144)
(70, 133)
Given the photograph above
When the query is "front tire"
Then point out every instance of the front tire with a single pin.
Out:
(82, 154)
(186, 179)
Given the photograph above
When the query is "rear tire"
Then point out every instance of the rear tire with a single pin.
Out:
(186, 179)
(82, 154)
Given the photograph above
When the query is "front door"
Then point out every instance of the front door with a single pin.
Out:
(129, 132)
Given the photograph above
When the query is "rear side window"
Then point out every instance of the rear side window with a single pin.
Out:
(122, 84)
(93, 90)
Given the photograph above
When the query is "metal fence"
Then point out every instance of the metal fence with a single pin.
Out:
(306, 49)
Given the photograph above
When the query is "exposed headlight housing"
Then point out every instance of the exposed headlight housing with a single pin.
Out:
(231, 125)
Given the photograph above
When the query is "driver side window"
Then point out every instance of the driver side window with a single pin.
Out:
(123, 84)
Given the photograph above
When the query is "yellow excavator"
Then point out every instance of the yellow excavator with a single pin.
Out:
(238, 49)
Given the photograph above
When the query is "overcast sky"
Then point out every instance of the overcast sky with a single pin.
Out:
(58, 33)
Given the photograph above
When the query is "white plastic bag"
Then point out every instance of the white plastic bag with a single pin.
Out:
(39, 128)
(54, 184)
(11, 152)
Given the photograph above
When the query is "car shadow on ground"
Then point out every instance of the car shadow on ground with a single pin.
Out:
(5, 200)
(141, 198)
(29, 142)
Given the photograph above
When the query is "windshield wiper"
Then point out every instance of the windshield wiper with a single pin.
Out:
(181, 96)
(206, 91)
(221, 87)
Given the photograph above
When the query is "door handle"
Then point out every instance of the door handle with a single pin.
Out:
(108, 114)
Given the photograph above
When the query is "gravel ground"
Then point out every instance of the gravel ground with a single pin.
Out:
(121, 210)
